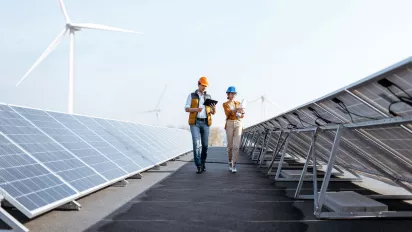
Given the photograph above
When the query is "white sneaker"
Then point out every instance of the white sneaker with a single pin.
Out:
(230, 166)
(234, 169)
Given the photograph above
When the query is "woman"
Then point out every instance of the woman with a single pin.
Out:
(233, 126)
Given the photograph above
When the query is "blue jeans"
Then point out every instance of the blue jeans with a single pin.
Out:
(200, 137)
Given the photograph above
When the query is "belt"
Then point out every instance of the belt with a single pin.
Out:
(202, 119)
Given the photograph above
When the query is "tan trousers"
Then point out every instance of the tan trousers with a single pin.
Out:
(233, 133)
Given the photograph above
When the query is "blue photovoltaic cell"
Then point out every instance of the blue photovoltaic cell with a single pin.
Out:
(73, 143)
(51, 154)
(25, 180)
(96, 141)
(138, 153)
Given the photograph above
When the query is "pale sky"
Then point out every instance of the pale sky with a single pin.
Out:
(292, 51)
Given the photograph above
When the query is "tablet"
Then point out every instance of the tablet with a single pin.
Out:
(209, 102)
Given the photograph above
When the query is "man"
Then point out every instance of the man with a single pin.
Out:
(200, 119)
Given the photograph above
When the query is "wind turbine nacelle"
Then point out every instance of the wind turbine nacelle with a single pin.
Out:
(72, 28)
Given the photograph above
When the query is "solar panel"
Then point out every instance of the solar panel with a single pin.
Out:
(164, 135)
(138, 153)
(114, 138)
(83, 151)
(382, 97)
(169, 149)
(349, 108)
(144, 133)
(48, 159)
(92, 138)
(26, 183)
(47, 151)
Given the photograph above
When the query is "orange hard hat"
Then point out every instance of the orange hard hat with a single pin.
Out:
(203, 81)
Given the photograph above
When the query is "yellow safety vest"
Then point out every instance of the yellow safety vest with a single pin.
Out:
(195, 104)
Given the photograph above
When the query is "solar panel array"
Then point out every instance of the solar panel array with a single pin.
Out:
(50, 158)
(383, 151)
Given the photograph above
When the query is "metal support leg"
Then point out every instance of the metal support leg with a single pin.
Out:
(245, 142)
(325, 183)
(253, 143)
(256, 144)
(248, 142)
(73, 205)
(12, 222)
(312, 149)
(315, 181)
(276, 151)
(262, 154)
(136, 176)
(122, 183)
(242, 143)
(282, 158)
(265, 136)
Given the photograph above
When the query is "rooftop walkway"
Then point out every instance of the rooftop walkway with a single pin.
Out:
(218, 200)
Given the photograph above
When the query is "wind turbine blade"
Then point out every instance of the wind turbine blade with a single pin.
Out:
(271, 102)
(103, 27)
(48, 50)
(257, 99)
(63, 8)
(148, 111)
(160, 98)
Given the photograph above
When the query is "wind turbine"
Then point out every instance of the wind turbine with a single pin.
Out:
(71, 28)
(263, 100)
(157, 110)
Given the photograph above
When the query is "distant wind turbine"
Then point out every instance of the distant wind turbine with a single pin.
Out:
(263, 99)
(71, 28)
(157, 110)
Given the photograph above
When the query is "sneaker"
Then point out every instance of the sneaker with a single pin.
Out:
(199, 169)
(230, 166)
(234, 169)
(203, 168)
